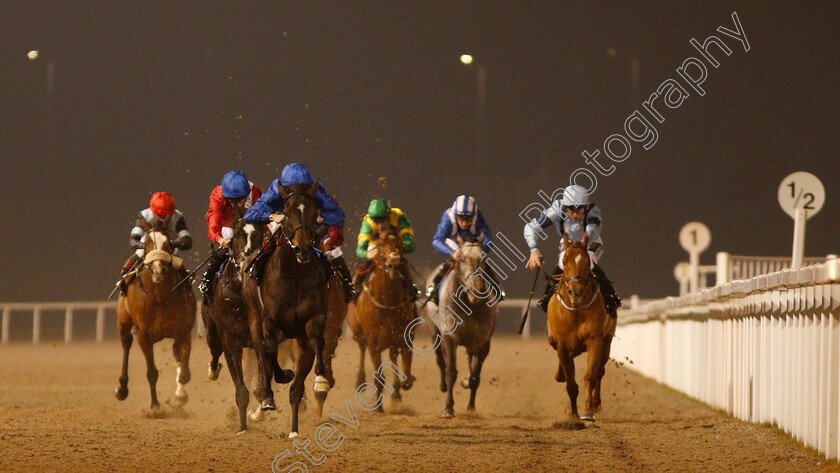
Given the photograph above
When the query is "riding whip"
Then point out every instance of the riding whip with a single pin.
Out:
(136, 268)
(189, 276)
(530, 297)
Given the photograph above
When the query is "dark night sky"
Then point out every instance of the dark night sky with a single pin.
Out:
(150, 97)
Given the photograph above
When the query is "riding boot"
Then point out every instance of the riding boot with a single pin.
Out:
(340, 267)
(208, 278)
(491, 274)
(362, 271)
(441, 271)
(549, 290)
(129, 264)
(257, 266)
(612, 300)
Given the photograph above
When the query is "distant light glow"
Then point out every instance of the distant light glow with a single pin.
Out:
(466, 59)
(32, 54)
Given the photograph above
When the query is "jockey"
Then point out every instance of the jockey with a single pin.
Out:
(465, 220)
(235, 192)
(161, 207)
(379, 217)
(574, 215)
(332, 216)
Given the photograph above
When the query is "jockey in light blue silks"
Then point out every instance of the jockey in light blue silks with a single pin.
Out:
(270, 206)
(465, 220)
(574, 215)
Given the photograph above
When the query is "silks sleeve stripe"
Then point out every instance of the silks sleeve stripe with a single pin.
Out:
(408, 230)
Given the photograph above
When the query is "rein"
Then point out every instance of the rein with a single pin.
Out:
(378, 304)
(587, 283)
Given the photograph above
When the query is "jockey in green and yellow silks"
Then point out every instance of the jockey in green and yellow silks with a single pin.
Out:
(379, 217)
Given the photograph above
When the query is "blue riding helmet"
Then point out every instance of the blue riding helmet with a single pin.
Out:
(235, 185)
(464, 206)
(295, 173)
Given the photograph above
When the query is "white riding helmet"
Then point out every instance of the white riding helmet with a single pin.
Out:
(575, 195)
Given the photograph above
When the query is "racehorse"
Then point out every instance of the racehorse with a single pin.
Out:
(578, 322)
(157, 312)
(382, 312)
(226, 321)
(291, 303)
(466, 317)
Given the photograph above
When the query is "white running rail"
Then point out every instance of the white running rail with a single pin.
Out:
(36, 308)
(765, 349)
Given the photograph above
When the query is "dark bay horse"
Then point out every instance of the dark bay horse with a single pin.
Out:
(291, 303)
(226, 320)
(156, 312)
(466, 317)
(382, 312)
(578, 322)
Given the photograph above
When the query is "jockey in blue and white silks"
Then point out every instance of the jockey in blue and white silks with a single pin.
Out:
(463, 220)
(575, 216)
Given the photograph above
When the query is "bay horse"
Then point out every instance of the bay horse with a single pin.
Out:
(578, 322)
(382, 312)
(466, 317)
(226, 321)
(291, 303)
(157, 312)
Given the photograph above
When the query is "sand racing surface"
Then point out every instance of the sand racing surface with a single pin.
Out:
(58, 413)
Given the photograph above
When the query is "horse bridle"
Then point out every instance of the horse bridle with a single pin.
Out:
(586, 282)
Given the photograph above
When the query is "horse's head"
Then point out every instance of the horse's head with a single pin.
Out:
(577, 275)
(301, 217)
(470, 261)
(158, 250)
(390, 250)
(247, 238)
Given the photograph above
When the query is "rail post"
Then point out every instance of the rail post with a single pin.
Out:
(68, 324)
(722, 276)
(4, 339)
(36, 325)
(100, 324)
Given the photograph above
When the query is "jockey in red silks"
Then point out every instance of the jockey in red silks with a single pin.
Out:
(236, 191)
(161, 207)
(269, 207)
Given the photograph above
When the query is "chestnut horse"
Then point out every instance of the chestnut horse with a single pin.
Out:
(578, 322)
(382, 312)
(466, 317)
(291, 303)
(157, 312)
(226, 321)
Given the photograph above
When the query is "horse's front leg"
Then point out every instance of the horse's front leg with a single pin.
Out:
(449, 351)
(393, 353)
(151, 369)
(263, 390)
(183, 376)
(376, 358)
(127, 339)
(475, 371)
(567, 364)
(302, 368)
(595, 352)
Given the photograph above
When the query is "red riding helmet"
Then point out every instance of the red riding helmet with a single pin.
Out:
(162, 203)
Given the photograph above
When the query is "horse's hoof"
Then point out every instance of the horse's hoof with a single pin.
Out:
(181, 399)
(408, 383)
(560, 376)
(121, 393)
(212, 374)
(447, 413)
(321, 385)
(293, 435)
(443, 386)
(268, 405)
(241, 431)
(471, 408)
(256, 415)
(588, 416)
(465, 382)
(396, 396)
(284, 376)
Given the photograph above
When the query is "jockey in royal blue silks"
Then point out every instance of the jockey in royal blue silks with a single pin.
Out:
(465, 220)
(269, 208)
(573, 215)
